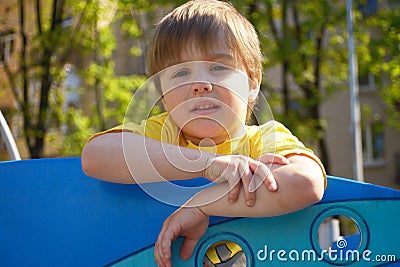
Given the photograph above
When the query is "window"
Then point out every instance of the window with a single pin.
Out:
(6, 46)
(71, 84)
(393, 4)
(67, 22)
(373, 143)
(72, 95)
(368, 7)
(366, 81)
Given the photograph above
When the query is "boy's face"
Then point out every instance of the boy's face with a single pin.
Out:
(207, 97)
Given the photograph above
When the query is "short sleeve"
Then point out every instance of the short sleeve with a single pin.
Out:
(151, 128)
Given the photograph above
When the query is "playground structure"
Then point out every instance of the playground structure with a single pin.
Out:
(51, 214)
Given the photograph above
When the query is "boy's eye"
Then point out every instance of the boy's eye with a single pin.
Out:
(181, 73)
(218, 67)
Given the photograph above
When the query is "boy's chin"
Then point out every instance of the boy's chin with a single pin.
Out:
(206, 135)
(212, 130)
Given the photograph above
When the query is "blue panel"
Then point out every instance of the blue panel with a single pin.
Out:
(51, 214)
(262, 238)
(339, 189)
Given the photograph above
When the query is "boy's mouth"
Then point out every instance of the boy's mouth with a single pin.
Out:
(205, 108)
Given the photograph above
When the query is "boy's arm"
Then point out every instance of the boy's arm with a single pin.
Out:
(301, 184)
(132, 158)
(124, 158)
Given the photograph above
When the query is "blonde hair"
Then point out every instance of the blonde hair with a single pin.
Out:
(197, 25)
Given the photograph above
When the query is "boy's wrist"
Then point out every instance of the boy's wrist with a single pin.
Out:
(202, 210)
(207, 168)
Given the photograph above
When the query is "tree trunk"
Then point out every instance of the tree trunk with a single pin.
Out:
(36, 130)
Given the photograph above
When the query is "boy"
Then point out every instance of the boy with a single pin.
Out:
(207, 62)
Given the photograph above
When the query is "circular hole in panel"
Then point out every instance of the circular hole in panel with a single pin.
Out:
(339, 232)
(224, 250)
(226, 253)
(339, 235)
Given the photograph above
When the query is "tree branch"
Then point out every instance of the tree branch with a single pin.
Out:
(318, 56)
(26, 112)
(39, 17)
(272, 23)
(298, 31)
(13, 85)
(64, 55)
(285, 61)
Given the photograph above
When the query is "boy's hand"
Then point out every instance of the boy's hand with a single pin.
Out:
(250, 172)
(191, 223)
(269, 159)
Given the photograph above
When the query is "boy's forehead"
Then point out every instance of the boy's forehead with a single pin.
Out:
(217, 53)
(213, 55)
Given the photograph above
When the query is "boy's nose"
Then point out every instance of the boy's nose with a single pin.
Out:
(201, 88)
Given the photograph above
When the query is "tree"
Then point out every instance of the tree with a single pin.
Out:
(45, 47)
(306, 40)
(379, 34)
(59, 32)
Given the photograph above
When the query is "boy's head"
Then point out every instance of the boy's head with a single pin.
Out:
(202, 27)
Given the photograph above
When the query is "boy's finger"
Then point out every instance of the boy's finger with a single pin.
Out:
(160, 261)
(280, 159)
(270, 182)
(273, 158)
(246, 178)
(263, 174)
(255, 183)
(233, 194)
(162, 247)
(158, 254)
(165, 250)
(234, 183)
(187, 248)
(249, 197)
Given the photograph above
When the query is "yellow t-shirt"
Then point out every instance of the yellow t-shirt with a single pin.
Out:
(271, 137)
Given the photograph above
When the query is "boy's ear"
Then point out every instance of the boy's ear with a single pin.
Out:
(164, 103)
(255, 88)
(253, 94)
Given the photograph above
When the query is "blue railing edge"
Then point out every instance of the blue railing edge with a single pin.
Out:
(333, 193)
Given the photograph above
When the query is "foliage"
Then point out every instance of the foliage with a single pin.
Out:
(37, 72)
(381, 57)
(112, 92)
(306, 40)
(73, 32)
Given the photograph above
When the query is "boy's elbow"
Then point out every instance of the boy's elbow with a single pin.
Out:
(88, 161)
(313, 188)
(311, 181)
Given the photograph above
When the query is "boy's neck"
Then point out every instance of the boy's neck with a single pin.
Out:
(210, 142)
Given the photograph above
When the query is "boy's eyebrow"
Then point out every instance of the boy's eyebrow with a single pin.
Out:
(222, 56)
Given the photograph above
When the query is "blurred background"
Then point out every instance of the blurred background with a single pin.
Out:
(68, 69)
